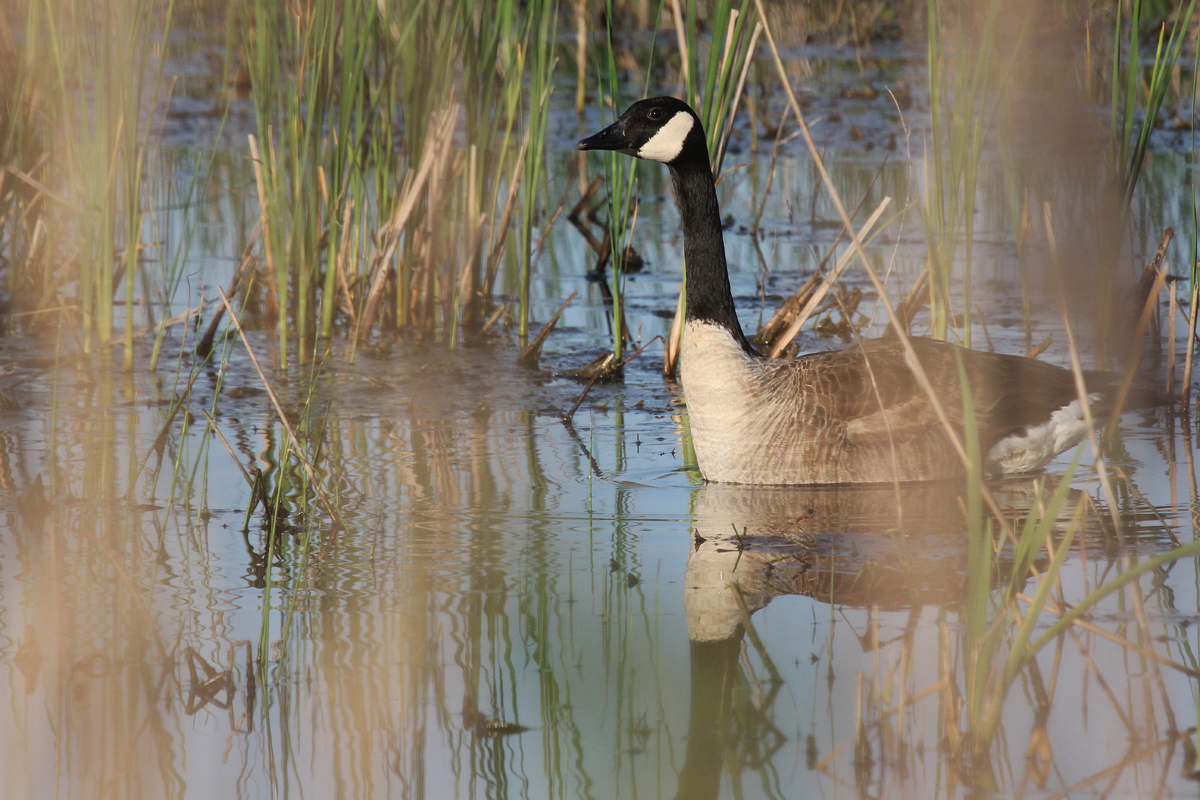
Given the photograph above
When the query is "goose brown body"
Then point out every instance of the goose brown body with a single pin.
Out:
(858, 415)
(855, 415)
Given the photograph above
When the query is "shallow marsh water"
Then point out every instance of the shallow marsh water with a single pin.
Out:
(522, 608)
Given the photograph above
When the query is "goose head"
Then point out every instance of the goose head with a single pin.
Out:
(659, 129)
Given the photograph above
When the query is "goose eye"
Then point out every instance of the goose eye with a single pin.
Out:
(654, 114)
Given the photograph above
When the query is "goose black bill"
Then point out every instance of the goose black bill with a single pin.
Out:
(611, 138)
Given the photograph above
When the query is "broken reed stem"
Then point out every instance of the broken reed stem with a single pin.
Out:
(1139, 333)
(42, 189)
(343, 254)
(983, 324)
(580, 207)
(283, 420)
(1039, 348)
(638, 352)
(831, 278)
(530, 355)
(912, 301)
(212, 423)
(204, 346)
(492, 320)
(579, 400)
(537, 248)
(787, 310)
(768, 334)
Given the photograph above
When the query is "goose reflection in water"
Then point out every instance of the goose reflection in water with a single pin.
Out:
(888, 547)
(900, 548)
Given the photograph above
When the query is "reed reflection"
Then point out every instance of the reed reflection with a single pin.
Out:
(504, 617)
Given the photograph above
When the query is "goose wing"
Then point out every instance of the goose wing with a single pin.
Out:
(872, 390)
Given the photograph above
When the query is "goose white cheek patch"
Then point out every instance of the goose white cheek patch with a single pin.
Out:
(667, 144)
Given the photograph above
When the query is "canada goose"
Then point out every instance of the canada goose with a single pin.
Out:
(856, 415)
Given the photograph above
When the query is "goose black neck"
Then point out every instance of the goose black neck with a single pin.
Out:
(709, 298)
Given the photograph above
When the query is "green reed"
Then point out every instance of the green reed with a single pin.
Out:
(374, 216)
(620, 177)
(972, 58)
(1127, 152)
(730, 48)
(998, 629)
(78, 147)
(1002, 638)
(295, 72)
(504, 153)
(542, 32)
(731, 42)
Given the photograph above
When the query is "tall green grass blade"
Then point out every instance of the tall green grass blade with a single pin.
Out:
(1165, 60)
(542, 32)
(1189, 550)
(1037, 528)
(1127, 153)
(963, 76)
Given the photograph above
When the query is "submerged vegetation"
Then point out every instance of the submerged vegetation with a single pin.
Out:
(390, 186)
